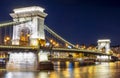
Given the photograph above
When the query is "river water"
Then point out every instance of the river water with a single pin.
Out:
(103, 70)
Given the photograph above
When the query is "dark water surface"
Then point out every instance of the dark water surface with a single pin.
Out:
(103, 70)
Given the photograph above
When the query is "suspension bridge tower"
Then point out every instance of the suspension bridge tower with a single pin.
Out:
(104, 44)
(29, 33)
(32, 30)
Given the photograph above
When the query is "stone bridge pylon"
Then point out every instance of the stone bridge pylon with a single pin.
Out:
(104, 44)
(27, 34)
(32, 30)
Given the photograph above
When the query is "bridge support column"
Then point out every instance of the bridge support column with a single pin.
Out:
(104, 58)
(22, 61)
(32, 30)
(43, 62)
(104, 45)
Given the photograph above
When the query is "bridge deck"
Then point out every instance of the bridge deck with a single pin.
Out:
(35, 48)
(17, 48)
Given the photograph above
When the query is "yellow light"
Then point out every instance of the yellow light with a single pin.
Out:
(23, 38)
(34, 43)
(66, 44)
(101, 50)
(54, 43)
(7, 38)
(28, 35)
(42, 42)
(51, 40)
(57, 44)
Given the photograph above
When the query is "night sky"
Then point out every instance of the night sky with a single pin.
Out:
(78, 21)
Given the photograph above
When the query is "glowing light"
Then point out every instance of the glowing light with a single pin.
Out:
(29, 9)
(28, 35)
(54, 43)
(22, 38)
(7, 38)
(42, 42)
(51, 40)
(103, 57)
(15, 42)
(34, 43)
(66, 44)
(69, 46)
(47, 44)
(57, 44)
(43, 75)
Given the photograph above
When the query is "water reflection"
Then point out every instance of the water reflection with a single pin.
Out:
(19, 75)
(104, 70)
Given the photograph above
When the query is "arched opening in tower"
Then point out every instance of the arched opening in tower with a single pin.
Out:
(103, 49)
(25, 36)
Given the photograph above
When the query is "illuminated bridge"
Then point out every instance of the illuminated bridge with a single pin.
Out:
(35, 48)
(27, 40)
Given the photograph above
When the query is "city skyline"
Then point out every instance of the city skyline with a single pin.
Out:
(80, 22)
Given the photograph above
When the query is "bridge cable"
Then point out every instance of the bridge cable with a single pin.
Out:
(12, 23)
(59, 37)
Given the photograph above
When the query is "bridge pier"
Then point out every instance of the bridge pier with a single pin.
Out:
(43, 62)
(22, 61)
(29, 61)
(103, 58)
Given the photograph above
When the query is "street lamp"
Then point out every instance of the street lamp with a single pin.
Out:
(7, 40)
(51, 40)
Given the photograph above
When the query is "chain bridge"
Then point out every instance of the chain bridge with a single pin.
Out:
(28, 41)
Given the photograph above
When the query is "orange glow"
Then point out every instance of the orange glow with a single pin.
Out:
(23, 38)
(42, 42)
(7, 38)
(28, 35)
(57, 45)
(54, 43)
(51, 40)
(66, 44)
